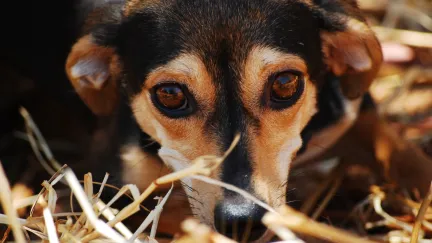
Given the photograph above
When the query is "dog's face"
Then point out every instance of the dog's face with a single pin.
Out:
(197, 72)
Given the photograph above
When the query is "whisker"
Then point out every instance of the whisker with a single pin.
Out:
(196, 200)
(151, 142)
(189, 187)
(283, 184)
(292, 201)
(288, 192)
(291, 190)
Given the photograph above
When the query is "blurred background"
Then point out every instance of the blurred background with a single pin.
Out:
(403, 89)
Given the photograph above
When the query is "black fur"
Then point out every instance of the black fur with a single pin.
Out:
(330, 110)
(222, 32)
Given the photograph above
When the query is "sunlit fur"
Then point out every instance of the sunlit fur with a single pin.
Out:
(225, 52)
(272, 146)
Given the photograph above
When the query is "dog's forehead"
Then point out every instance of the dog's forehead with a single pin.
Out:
(205, 24)
(166, 29)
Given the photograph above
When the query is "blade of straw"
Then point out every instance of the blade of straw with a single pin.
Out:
(108, 214)
(7, 204)
(42, 143)
(102, 185)
(50, 226)
(420, 215)
(99, 225)
(159, 208)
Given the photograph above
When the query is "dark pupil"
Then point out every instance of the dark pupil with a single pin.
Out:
(284, 86)
(171, 96)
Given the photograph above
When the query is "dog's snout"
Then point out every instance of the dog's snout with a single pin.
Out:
(239, 219)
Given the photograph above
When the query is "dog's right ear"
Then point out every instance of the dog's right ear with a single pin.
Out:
(94, 69)
(351, 49)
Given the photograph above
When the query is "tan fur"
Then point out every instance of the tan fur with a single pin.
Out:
(188, 139)
(354, 54)
(135, 5)
(261, 63)
(182, 135)
(278, 129)
(183, 140)
(101, 100)
(272, 145)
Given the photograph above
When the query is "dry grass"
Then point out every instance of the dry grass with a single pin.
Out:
(99, 222)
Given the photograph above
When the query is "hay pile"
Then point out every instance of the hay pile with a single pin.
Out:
(99, 222)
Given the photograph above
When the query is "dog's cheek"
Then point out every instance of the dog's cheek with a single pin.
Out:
(276, 144)
(286, 155)
(144, 115)
(174, 159)
(270, 176)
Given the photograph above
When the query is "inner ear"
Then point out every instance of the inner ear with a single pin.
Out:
(93, 70)
(354, 54)
(91, 73)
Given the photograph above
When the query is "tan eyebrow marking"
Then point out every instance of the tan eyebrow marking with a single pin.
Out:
(187, 69)
(262, 62)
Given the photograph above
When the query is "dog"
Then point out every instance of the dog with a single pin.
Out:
(178, 79)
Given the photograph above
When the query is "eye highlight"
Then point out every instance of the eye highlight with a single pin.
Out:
(285, 89)
(284, 86)
(171, 96)
(172, 99)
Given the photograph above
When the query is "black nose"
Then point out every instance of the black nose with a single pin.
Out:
(239, 219)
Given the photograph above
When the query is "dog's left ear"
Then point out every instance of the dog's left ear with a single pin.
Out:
(350, 47)
(93, 70)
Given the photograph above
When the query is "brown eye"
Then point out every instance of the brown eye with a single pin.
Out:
(171, 96)
(284, 86)
(173, 99)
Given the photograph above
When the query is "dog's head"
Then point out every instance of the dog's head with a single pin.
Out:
(197, 72)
